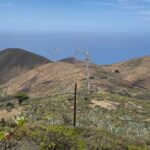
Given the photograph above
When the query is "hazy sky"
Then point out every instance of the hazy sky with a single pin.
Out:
(106, 27)
(75, 15)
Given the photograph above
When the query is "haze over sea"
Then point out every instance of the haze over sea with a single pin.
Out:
(112, 30)
(105, 48)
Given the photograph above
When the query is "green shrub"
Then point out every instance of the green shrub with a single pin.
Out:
(10, 105)
(131, 147)
(21, 97)
(54, 137)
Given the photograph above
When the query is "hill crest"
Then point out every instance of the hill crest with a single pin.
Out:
(15, 61)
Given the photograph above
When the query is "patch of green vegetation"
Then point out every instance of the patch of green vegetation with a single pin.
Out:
(143, 95)
(54, 137)
(98, 128)
(131, 147)
(21, 96)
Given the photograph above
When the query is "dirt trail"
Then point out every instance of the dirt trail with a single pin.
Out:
(105, 104)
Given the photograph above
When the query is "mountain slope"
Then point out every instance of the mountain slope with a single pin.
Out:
(52, 78)
(14, 61)
(71, 60)
(135, 71)
(119, 78)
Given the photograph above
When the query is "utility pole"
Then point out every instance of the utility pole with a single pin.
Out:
(75, 105)
(87, 71)
(55, 52)
(87, 59)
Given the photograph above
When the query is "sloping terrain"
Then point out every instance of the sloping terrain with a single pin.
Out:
(114, 116)
(69, 60)
(14, 61)
(130, 78)
(52, 78)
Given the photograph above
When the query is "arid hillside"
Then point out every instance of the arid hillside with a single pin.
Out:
(47, 79)
(130, 78)
(134, 73)
(14, 61)
(113, 115)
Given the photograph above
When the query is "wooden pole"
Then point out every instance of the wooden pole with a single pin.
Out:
(75, 105)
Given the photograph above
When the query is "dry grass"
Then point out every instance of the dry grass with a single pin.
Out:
(9, 115)
(105, 104)
(41, 81)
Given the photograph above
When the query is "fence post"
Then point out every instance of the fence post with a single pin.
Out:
(75, 105)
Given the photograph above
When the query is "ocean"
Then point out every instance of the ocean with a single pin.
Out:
(104, 48)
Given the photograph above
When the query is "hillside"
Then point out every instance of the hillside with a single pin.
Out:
(134, 73)
(45, 80)
(114, 116)
(121, 78)
(14, 61)
(71, 60)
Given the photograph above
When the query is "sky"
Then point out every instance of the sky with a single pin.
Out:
(75, 15)
(112, 30)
